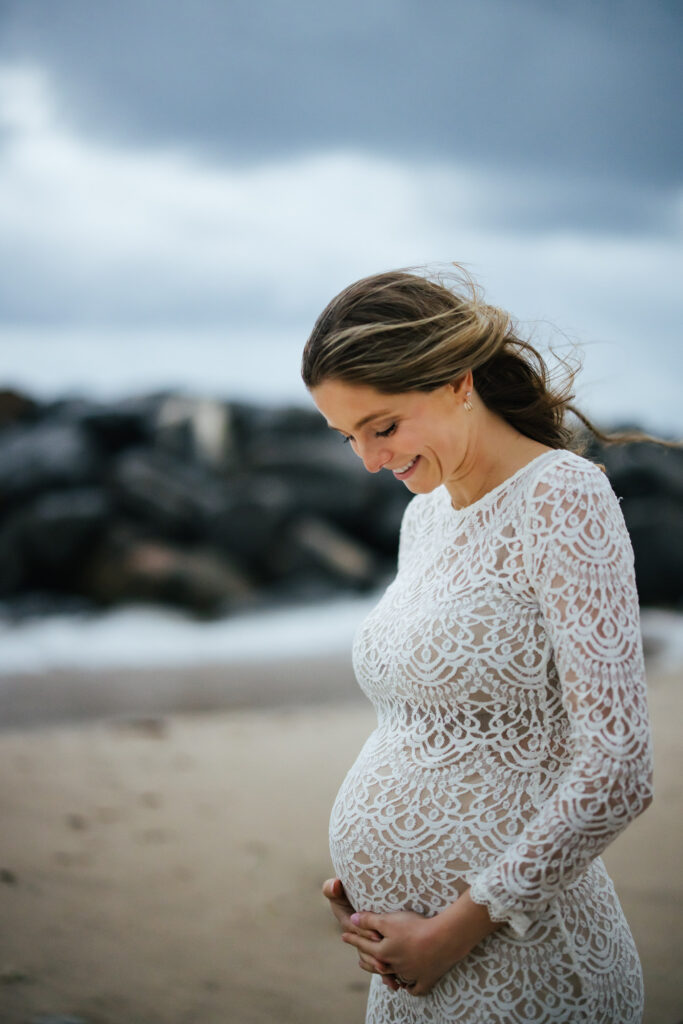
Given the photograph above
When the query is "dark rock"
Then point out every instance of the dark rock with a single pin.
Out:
(279, 440)
(113, 425)
(129, 568)
(14, 571)
(45, 455)
(7, 877)
(326, 479)
(379, 520)
(16, 407)
(43, 541)
(315, 549)
(157, 488)
(72, 410)
(249, 521)
(253, 425)
(644, 470)
(322, 453)
(656, 531)
(317, 481)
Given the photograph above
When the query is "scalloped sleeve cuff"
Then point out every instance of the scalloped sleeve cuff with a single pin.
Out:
(518, 921)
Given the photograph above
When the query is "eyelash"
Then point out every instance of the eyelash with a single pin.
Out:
(380, 433)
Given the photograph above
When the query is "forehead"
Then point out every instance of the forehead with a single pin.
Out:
(344, 405)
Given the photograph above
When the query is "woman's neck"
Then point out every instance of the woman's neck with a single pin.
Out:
(498, 451)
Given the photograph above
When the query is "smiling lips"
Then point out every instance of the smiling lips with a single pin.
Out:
(404, 470)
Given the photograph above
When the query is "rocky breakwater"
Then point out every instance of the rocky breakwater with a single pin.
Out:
(213, 506)
(217, 506)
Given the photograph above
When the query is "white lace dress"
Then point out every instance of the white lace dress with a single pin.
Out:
(505, 664)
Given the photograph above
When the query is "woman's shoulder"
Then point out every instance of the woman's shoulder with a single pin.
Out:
(570, 501)
(561, 471)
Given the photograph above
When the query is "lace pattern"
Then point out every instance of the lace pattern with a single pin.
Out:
(512, 745)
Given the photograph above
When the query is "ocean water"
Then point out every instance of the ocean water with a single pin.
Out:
(149, 637)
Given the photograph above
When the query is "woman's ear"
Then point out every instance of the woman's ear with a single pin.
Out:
(463, 383)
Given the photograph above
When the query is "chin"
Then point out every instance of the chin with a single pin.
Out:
(419, 487)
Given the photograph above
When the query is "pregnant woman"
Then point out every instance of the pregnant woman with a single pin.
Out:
(505, 665)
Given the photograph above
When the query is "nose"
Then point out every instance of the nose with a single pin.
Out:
(374, 457)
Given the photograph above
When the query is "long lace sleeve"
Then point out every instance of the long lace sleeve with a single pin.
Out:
(580, 564)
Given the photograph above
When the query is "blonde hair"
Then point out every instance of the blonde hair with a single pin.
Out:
(401, 331)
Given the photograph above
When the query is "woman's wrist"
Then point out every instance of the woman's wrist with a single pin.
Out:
(461, 927)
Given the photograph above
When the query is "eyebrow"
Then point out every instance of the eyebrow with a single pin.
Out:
(366, 419)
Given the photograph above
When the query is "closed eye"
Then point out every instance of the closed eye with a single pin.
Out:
(379, 433)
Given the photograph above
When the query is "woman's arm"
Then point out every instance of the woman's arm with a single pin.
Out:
(580, 564)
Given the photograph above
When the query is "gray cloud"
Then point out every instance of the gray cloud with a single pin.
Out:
(587, 89)
(97, 232)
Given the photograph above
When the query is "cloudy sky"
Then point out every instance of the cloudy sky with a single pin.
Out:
(184, 186)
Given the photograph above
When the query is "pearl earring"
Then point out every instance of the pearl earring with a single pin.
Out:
(468, 404)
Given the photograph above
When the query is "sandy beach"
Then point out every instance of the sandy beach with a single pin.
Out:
(164, 868)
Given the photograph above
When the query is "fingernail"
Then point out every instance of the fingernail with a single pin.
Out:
(355, 919)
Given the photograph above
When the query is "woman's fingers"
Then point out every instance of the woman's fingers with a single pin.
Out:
(367, 921)
(333, 890)
(362, 944)
(373, 964)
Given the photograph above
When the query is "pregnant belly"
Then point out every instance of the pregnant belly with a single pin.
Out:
(414, 843)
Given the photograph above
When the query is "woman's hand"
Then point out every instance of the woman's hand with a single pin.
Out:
(419, 950)
(333, 890)
(409, 946)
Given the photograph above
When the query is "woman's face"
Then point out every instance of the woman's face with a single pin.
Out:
(422, 437)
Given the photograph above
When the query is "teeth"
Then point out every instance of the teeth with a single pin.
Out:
(406, 467)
